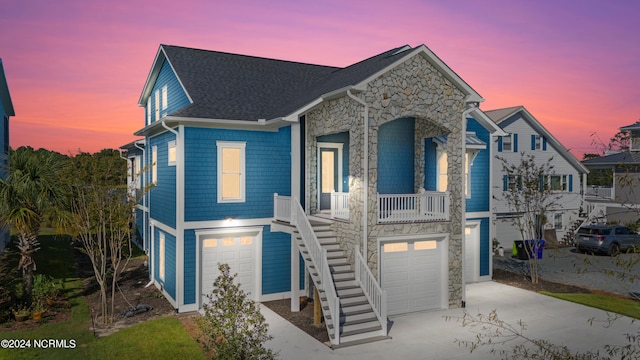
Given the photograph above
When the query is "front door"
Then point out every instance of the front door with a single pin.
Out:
(329, 159)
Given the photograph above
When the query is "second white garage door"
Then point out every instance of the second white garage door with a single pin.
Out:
(412, 274)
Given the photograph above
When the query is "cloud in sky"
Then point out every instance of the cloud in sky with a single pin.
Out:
(76, 69)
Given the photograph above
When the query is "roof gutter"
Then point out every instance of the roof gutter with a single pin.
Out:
(365, 165)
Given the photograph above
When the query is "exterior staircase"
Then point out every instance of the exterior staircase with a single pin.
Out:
(354, 306)
(596, 214)
(357, 321)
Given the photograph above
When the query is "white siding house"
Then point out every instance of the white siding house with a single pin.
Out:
(527, 136)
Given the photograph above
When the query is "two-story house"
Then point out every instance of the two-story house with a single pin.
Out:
(617, 202)
(356, 181)
(6, 110)
(526, 135)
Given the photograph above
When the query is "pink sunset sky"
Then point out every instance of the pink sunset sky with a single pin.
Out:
(76, 68)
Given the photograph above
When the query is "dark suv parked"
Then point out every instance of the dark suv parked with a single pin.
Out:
(608, 239)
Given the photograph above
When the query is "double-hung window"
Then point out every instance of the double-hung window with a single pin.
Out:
(558, 182)
(231, 171)
(506, 143)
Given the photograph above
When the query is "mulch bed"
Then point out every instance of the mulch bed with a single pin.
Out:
(302, 320)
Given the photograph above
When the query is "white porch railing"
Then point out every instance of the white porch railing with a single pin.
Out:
(600, 192)
(319, 260)
(339, 205)
(400, 208)
(372, 290)
(282, 208)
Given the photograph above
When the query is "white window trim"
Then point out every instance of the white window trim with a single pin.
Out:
(538, 142)
(510, 142)
(564, 183)
(157, 105)
(149, 110)
(154, 164)
(164, 97)
(237, 145)
(171, 146)
(558, 225)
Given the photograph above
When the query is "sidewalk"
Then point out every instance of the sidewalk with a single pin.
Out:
(428, 334)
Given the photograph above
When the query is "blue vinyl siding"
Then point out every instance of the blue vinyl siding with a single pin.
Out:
(396, 157)
(177, 98)
(430, 165)
(480, 171)
(138, 231)
(169, 282)
(163, 194)
(268, 171)
(485, 252)
(276, 261)
(189, 278)
(341, 138)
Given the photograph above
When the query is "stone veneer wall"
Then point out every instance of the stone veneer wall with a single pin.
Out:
(412, 89)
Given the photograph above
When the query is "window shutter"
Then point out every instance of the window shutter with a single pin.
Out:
(515, 142)
(570, 183)
(533, 142)
(500, 144)
(544, 143)
(541, 186)
(505, 182)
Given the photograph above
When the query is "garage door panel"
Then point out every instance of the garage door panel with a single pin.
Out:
(238, 252)
(413, 278)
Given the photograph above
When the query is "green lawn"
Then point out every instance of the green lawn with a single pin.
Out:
(156, 339)
(612, 304)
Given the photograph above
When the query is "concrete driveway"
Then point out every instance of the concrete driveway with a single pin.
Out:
(428, 335)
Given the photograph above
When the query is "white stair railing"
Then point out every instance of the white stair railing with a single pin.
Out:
(401, 208)
(372, 290)
(319, 260)
(281, 208)
(340, 205)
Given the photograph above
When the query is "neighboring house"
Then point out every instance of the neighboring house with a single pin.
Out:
(525, 135)
(355, 178)
(619, 201)
(6, 110)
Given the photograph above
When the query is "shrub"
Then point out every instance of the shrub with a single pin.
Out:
(232, 326)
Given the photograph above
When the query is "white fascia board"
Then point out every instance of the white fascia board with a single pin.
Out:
(335, 94)
(153, 75)
(266, 125)
(487, 123)
(551, 140)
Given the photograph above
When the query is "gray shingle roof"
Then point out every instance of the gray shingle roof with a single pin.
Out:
(239, 87)
(499, 115)
(625, 157)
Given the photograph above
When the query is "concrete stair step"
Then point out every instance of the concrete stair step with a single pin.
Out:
(346, 284)
(366, 317)
(360, 328)
(342, 260)
(344, 276)
(353, 301)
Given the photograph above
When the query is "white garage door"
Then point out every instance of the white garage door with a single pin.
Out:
(411, 273)
(239, 252)
(471, 253)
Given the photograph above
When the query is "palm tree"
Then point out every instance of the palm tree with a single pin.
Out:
(30, 190)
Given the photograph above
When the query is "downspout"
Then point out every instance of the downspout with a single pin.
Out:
(463, 197)
(365, 165)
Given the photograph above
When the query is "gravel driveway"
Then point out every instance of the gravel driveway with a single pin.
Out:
(620, 274)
